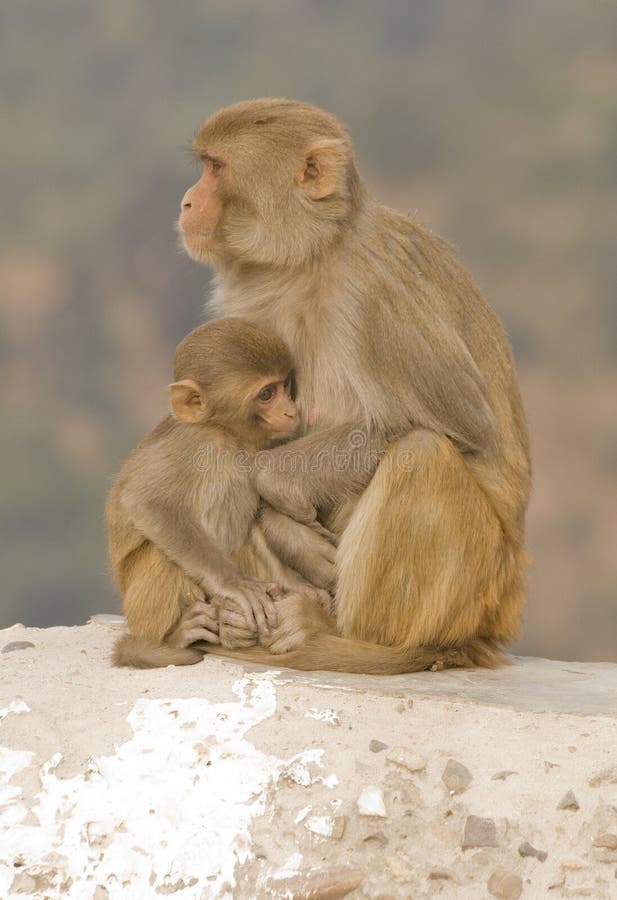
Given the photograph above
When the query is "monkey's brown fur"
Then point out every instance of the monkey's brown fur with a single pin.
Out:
(393, 341)
(181, 514)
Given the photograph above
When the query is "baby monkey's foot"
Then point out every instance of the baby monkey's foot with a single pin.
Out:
(200, 622)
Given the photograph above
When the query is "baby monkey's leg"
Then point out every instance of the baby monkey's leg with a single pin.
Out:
(165, 613)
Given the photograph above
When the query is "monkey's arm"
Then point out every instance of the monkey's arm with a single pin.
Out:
(319, 470)
(173, 529)
(309, 549)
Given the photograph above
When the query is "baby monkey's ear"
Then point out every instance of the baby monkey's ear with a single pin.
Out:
(188, 401)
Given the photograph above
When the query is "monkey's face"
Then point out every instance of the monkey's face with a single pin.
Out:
(274, 408)
(277, 187)
(200, 213)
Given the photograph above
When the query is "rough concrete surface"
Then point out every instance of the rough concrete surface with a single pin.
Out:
(222, 780)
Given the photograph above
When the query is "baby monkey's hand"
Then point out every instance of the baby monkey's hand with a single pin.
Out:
(255, 600)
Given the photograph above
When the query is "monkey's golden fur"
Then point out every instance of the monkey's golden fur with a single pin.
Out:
(391, 337)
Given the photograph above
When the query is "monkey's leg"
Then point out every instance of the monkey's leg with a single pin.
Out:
(424, 561)
(165, 613)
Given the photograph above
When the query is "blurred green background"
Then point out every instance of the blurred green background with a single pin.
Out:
(494, 123)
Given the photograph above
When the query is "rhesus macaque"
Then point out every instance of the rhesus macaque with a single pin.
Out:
(412, 379)
(182, 512)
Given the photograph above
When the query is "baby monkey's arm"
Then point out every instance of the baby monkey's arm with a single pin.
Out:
(178, 533)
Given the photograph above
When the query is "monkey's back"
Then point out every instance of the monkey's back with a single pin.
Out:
(187, 471)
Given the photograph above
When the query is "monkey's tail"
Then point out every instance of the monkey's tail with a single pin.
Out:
(141, 653)
(335, 654)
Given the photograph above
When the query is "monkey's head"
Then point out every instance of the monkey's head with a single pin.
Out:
(233, 375)
(279, 185)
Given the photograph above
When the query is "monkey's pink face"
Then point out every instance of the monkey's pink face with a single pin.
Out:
(200, 212)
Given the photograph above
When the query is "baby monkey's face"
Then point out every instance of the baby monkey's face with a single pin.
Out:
(274, 406)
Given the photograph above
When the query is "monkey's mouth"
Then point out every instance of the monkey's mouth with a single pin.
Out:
(280, 432)
(198, 244)
(191, 233)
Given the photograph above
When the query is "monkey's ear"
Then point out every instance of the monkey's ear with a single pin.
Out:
(323, 166)
(188, 401)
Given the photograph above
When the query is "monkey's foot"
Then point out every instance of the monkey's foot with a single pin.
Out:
(301, 617)
(198, 623)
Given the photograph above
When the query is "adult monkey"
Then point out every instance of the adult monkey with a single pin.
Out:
(393, 343)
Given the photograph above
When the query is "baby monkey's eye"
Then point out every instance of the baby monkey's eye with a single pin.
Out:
(266, 393)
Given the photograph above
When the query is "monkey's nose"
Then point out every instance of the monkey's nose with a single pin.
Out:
(185, 203)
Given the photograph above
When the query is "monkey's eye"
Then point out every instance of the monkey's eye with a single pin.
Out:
(213, 162)
(266, 393)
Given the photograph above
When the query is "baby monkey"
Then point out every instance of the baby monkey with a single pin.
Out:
(187, 551)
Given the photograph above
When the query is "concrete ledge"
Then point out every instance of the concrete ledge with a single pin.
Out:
(222, 781)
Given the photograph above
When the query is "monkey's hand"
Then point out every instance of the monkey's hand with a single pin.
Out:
(255, 599)
(200, 622)
(233, 629)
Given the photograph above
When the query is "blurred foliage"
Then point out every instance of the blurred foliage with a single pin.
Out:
(494, 123)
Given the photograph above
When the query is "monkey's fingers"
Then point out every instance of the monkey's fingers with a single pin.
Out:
(273, 592)
(202, 634)
(259, 603)
(231, 618)
(196, 630)
(243, 601)
(235, 638)
(201, 613)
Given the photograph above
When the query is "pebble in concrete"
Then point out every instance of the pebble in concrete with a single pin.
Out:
(17, 645)
(378, 837)
(505, 885)
(606, 840)
(317, 883)
(371, 802)
(605, 848)
(526, 849)
(569, 801)
(456, 777)
(407, 759)
(377, 746)
(479, 832)
(439, 875)
(327, 826)
(606, 776)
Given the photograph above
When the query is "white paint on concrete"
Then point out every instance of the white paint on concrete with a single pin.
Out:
(174, 800)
